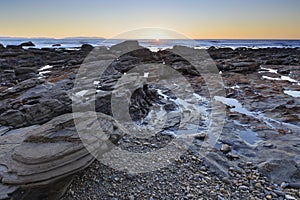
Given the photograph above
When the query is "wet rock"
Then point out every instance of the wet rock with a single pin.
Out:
(283, 71)
(277, 171)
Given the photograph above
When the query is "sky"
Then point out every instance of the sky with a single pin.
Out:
(196, 19)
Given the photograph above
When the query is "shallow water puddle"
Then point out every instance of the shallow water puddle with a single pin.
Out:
(292, 93)
(272, 123)
(44, 72)
(234, 105)
(190, 110)
(45, 67)
(249, 137)
(282, 77)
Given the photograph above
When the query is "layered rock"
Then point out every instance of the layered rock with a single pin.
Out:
(42, 160)
(37, 105)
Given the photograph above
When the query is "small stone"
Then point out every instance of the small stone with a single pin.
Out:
(289, 197)
(226, 148)
(279, 193)
(131, 197)
(258, 186)
(269, 197)
(284, 185)
(220, 197)
(223, 191)
(110, 194)
(201, 136)
(268, 145)
(243, 187)
(226, 180)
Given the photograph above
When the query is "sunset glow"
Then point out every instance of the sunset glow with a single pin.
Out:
(201, 19)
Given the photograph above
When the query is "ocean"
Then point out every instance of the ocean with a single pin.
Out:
(152, 44)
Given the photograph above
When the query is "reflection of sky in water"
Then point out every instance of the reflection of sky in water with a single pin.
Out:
(292, 93)
(282, 77)
(249, 136)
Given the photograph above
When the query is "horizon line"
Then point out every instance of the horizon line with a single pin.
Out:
(99, 37)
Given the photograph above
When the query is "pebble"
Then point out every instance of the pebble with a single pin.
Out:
(289, 197)
(220, 197)
(258, 186)
(226, 148)
(131, 197)
(201, 136)
(226, 180)
(280, 193)
(243, 187)
(284, 185)
(268, 145)
(269, 197)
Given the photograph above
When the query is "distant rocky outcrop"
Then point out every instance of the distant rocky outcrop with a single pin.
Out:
(56, 45)
(27, 44)
(87, 47)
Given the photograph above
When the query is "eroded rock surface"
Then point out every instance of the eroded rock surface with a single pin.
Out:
(38, 162)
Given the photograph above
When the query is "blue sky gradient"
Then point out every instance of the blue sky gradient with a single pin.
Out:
(194, 18)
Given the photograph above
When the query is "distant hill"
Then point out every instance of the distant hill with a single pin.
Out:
(66, 38)
(84, 38)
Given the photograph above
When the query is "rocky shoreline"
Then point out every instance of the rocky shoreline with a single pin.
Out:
(255, 157)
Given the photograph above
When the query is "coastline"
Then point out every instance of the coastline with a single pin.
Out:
(255, 81)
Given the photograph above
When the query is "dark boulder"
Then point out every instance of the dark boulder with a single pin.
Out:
(13, 47)
(56, 45)
(27, 44)
(86, 47)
